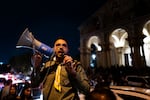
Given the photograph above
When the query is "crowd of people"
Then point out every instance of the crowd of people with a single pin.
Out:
(11, 92)
(63, 78)
(59, 78)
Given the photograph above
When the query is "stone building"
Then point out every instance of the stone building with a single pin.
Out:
(117, 34)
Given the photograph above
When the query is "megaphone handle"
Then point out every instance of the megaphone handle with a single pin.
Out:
(43, 48)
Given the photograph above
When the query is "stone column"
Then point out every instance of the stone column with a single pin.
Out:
(119, 50)
(105, 55)
(135, 43)
(85, 57)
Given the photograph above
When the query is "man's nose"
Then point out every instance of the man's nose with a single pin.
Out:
(60, 48)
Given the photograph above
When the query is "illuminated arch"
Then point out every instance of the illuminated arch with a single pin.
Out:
(93, 45)
(146, 40)
(120, 46)
(118, 37)
(95, 41)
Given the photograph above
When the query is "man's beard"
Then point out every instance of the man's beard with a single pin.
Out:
(60, 57)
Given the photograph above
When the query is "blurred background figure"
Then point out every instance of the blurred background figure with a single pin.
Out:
(12, 95)
(5, 90)
(26, 92)
(36, 61)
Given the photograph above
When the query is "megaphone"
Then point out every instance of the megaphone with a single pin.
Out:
(27, 40)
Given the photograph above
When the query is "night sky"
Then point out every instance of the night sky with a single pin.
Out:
(46, 19)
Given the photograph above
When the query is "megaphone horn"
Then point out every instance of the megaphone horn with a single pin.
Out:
(25, 40)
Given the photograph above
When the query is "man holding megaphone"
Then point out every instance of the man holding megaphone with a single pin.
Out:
(61, 77)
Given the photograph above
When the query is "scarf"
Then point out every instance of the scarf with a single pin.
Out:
(57, 84)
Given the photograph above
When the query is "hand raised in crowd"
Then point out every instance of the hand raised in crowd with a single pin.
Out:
(36, 60)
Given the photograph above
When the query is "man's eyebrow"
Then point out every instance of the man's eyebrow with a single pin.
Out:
(64, 44)
(58, 44)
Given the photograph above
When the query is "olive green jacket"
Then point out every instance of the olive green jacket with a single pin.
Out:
(70, 85)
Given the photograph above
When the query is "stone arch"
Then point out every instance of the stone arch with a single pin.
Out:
(95, 41)
(119, 47)
(146, 40)
(94, 47)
